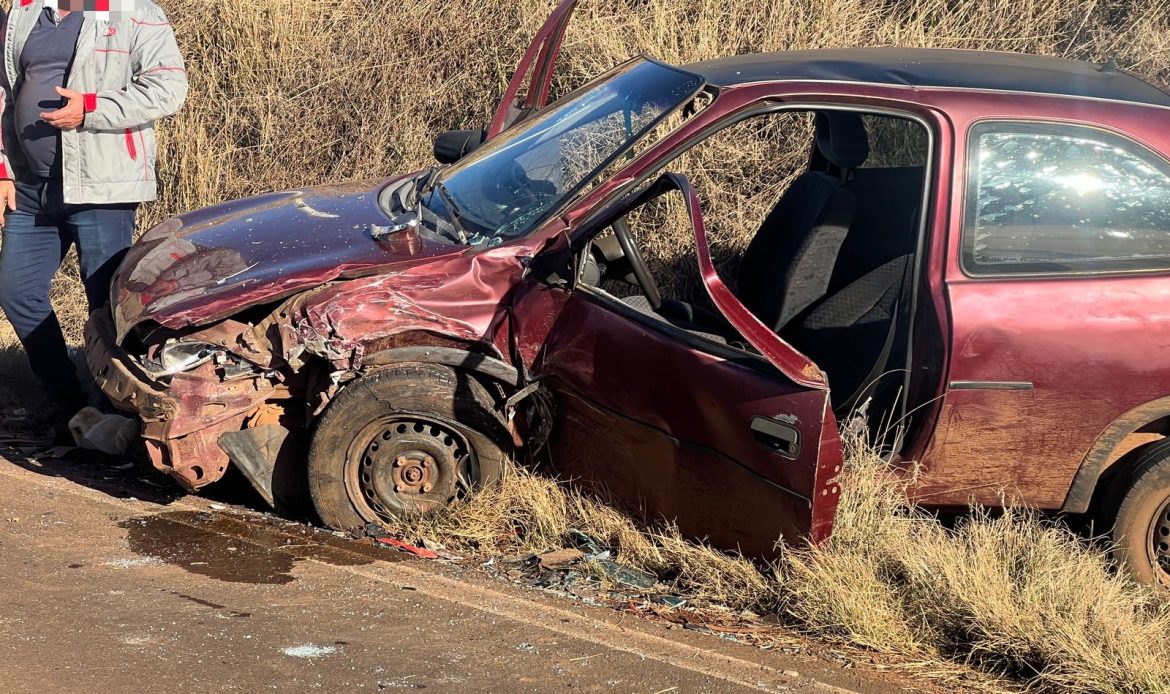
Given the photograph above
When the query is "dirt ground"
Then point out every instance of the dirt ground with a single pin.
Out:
(112, 581)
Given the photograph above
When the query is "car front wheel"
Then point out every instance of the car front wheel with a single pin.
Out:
(1141, 533)
(405, 441)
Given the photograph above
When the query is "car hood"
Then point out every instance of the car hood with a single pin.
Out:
(207, 265)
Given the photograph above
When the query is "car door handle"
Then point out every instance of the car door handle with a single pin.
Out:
(777, 437)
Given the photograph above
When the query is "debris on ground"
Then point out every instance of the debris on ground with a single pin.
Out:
(379, 535)
(309, 651)
(589, 572)
(408, 548)
(623, 575)
(111, 434)
(561, 558)
(673, 602)
(583, 542)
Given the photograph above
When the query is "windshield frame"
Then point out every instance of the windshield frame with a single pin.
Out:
(574, 193)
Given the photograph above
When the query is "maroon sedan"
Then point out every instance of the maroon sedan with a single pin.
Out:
(974, 258)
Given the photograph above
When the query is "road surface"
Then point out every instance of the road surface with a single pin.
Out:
(112, 581)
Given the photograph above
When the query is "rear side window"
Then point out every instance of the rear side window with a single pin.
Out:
(1053, 198)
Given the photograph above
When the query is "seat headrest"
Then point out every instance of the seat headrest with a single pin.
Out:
(841, 138)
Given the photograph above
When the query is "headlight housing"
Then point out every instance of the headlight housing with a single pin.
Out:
(176, 357)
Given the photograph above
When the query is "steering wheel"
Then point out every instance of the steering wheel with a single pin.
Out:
(513, 187)
(621, 230)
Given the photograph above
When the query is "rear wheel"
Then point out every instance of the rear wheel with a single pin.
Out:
(1141, 532)
(405, 441)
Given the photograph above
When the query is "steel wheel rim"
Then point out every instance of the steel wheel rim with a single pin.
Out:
(403, 466)
(1158, 542)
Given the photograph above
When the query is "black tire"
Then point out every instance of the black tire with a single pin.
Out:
(1141, 531)
(409, 439)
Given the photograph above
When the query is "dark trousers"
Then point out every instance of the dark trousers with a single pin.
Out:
(34, 241)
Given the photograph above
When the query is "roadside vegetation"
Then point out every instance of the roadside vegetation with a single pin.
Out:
(1013, 595)
(288, 93)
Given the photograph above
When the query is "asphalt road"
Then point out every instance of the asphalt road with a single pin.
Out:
(110, 582)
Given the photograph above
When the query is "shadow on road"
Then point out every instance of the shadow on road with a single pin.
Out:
(128, 477)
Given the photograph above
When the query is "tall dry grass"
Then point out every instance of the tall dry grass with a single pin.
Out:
(1011, 595)
(530, 512)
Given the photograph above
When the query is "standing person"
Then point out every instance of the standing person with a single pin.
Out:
(82, 91)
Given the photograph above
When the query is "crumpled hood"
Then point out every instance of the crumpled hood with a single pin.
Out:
(207, 265)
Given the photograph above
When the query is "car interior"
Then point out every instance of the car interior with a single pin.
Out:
(831, 267)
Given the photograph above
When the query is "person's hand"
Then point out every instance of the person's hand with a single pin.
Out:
(7, 198)
(69, 116)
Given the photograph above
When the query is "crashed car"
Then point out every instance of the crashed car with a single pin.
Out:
(387, 345)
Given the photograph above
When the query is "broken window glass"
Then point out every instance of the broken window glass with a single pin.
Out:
(1054, 198)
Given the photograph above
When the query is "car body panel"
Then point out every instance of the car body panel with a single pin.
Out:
(682, 450)
(207, 265)
(1016, 417)
(685, 450)
(1089, 346)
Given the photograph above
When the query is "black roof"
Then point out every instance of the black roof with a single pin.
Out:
(936, 67)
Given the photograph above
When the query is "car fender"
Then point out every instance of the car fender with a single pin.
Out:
(463, 359)
(1122, 436)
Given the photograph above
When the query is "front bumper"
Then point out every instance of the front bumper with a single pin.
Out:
(183, 420)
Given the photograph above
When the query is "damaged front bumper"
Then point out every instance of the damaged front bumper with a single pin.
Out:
(183, 420)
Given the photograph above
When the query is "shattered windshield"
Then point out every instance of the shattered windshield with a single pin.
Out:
(505, 188)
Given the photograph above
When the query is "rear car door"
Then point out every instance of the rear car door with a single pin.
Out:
(1059, 306)
(536, 70)
(737, 446)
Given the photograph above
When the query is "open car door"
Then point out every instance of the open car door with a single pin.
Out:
(737, 446)
(536, 69)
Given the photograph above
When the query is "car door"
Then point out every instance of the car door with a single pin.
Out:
(1057, 295)
(736, 446)
(536, 69)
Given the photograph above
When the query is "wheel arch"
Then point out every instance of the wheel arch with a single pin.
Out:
(1112, 451)
(460, 358)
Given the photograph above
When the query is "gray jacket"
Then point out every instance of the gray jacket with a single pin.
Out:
(131, 72)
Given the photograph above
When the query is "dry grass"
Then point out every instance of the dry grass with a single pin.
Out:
(1011, 595)
(529, 512)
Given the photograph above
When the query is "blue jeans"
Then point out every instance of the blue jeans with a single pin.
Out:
(33, 242)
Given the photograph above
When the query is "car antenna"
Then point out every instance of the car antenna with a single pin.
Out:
(1109, 65)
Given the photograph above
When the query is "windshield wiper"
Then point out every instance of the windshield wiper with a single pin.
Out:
(449, 203)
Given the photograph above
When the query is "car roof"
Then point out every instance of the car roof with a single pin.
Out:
(936, 67)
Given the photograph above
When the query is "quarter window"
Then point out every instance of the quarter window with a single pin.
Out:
(1051, 198)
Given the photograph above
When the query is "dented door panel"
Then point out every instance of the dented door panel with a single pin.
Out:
(692, 429)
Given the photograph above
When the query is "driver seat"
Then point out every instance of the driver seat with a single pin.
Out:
(788, 264)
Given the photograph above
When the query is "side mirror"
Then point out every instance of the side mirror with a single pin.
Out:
(453, 145)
